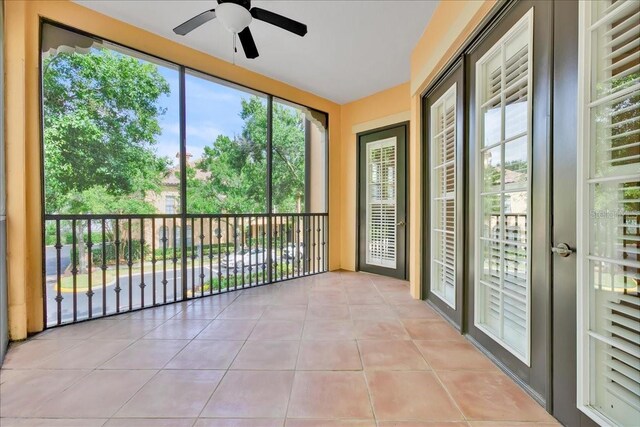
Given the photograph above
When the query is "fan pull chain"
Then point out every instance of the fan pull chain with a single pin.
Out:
(235, 49)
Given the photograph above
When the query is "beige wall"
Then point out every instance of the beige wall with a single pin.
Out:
(22, 134)
(384, 108)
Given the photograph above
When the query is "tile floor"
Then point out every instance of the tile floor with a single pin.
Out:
(338, 349)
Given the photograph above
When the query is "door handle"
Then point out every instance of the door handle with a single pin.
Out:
(562, 249)
(400, 224)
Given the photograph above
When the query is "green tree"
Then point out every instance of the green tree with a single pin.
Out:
(238, 165)
(101, 115)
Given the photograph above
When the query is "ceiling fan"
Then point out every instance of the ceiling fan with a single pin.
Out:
(235, 16)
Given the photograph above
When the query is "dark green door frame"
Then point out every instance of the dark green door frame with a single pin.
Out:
(401, 132)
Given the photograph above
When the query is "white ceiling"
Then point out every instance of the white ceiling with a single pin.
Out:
(353, 48)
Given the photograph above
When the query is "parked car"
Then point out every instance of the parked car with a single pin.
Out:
(293, 252)
(247, 258)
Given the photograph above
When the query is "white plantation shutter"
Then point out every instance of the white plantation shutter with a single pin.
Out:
(609, 211)
(381, 203)
(443, 197)
(502, 294)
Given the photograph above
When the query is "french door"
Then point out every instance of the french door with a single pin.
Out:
(382, 201)
(444, 212)
(608, 246)
(508, 187)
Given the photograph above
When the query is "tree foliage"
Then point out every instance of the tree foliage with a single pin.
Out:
(237, 165)
(101, 115)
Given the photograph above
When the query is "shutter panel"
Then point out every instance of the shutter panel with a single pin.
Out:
(609, 250)
(381, 203)
(502, 294)
(443, 197)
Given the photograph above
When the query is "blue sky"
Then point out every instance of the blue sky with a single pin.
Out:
(212, 109)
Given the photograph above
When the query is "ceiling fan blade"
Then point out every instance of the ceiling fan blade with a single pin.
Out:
(279, 21)
(193, 23)
(249, 46)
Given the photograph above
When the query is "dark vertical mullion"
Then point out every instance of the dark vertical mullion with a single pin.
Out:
(74, 270)
(269, 190)
(183, 181)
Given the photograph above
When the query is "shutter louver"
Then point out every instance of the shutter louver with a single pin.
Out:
(443, 191)
(502, 294)
(610, 185)
(381, 203)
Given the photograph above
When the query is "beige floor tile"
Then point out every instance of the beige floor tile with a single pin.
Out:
(329, 395)
(421, 424)
(484, 395)
(267, 355)
(328, 311)
(251, 394)
(87, 354)
(206, 354)
(180, 329)
(129, 329)
(386, 329)
(165, 312)
(512, 424)
(52, 422)
(365, 298)
(99, 395)
(287, 312)
(201, 309)
(416, 311)
(150, 422)
(372, 312)
(400, 296)
(327, 297)
(277, 330)
(23, 391)
(237, 311)
(329, 356)
(328, 330)
(239, 422)
(454, 355)
(423, 329)
(30, 353)
(330, 423)
(227, 330)
(79, 331)
(396, 355)
(173, 393)
(146, 354)
(410, 396)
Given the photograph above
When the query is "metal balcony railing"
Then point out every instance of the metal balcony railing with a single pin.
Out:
(100, 265)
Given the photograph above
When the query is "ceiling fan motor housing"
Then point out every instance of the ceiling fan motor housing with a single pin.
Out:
(234, 14)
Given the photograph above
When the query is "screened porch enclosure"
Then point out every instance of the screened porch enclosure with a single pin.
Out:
(174, 186)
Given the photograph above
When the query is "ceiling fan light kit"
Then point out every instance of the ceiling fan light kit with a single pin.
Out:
(235, 16)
